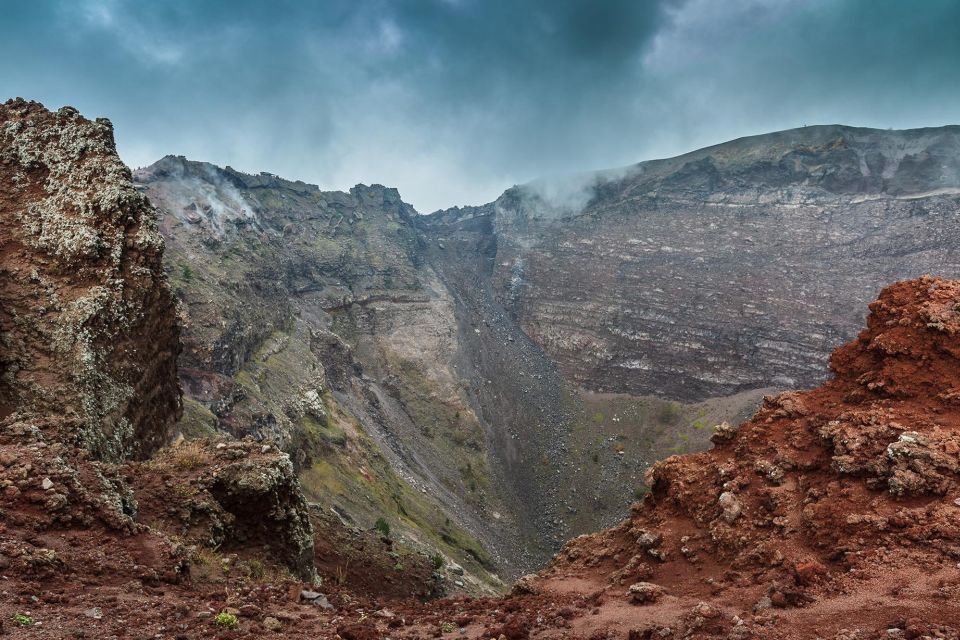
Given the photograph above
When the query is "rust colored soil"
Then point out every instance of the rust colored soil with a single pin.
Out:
(831, 514)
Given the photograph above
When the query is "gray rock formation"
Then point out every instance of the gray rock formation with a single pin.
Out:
(732, 267)
(312, 320)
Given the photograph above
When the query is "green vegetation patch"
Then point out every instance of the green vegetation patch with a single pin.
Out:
(197, 420)
(363, 482)
(22, 620)
(226, 620)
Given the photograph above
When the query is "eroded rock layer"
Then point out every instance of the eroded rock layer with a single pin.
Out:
(520, 362)
(311, 320)
(733, 267)
(334, 324)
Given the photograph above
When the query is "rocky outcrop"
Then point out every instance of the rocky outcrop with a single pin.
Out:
(822, 493)
(89, 345)
(312, 321)
(278, 241)
(733, 267)
(87, 326)
(239, 495)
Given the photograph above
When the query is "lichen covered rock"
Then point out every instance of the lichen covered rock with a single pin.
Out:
(88, 345)
(644, 592)
(88, 328)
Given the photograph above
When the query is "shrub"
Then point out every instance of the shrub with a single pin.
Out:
(186, 273)
(437, 560)
(190, 455)
(202, 556)
(382, 526)
(256, 570)
(225, 620)
(669, 412)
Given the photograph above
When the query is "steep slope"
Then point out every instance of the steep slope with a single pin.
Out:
(734, 267)
(310, 320)
(521, 364)
(834, 508)
(578, 457)
(833, 513)
(393, 376)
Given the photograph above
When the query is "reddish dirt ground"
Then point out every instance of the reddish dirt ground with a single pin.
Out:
(833, 513)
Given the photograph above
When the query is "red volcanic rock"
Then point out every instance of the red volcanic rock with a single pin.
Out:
(836, 490)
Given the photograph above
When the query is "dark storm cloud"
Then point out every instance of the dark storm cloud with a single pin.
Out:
(452, 101)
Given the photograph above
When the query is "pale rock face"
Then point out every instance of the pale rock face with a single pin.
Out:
(312, 320)
(645, 593)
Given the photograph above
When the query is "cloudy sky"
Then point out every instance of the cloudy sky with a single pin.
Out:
(452, 101)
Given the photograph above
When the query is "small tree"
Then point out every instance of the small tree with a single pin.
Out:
(383, 527)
